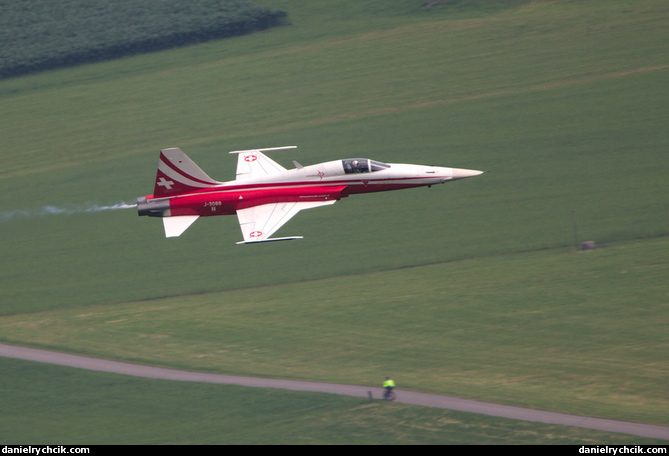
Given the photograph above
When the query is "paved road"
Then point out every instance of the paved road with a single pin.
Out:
(428, 400)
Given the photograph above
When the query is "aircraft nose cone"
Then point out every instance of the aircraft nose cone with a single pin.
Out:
(464, 173)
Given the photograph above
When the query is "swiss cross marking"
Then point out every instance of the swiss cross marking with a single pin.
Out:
(165, 183)
(255, 234)
(250, 158)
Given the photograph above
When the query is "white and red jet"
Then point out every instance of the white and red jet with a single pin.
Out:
(265, 195)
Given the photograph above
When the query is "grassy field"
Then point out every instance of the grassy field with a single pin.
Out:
(47, 404)
(580, 333)
(472, 288)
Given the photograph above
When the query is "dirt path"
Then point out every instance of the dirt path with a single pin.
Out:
(409, 397)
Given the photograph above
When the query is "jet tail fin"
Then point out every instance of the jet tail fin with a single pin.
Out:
(177, 173)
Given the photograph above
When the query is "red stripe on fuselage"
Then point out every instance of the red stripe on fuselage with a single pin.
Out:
(354, 186)
(228, 202)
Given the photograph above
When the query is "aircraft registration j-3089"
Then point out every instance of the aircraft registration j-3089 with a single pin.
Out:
(265, 195)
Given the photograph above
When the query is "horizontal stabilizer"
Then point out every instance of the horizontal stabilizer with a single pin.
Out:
(175, 226)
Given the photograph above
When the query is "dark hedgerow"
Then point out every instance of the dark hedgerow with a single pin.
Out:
(37, 35)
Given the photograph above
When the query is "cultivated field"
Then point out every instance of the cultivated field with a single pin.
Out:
(472, 289)
(40, 35)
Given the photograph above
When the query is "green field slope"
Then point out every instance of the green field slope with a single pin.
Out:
(565, 106)
(473, 288)
(580, 333)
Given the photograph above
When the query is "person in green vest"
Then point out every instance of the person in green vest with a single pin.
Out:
(388, 385)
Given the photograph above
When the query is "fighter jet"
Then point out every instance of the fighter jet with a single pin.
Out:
(265, 195)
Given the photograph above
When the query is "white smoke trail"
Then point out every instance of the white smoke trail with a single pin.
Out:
(6, 216)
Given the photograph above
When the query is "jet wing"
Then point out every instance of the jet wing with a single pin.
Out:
(258, 223)
(255, 164)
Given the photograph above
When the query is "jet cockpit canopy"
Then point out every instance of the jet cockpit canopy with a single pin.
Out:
(362, 165)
